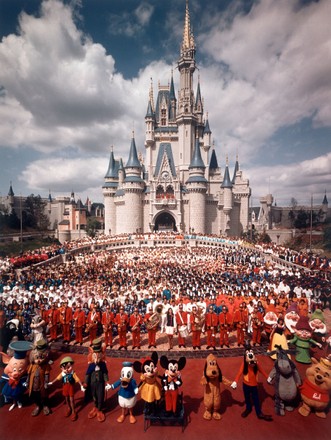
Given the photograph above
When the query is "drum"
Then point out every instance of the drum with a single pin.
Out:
(183, 331)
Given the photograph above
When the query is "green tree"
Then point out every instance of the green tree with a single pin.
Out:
(35, 214)
(92, 226)
(302, 219)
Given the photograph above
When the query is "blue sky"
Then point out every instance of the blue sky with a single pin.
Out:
(75, 77)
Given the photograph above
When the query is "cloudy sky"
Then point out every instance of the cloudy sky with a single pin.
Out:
(75, 77)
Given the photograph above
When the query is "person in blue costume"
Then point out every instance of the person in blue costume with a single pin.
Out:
(128, 390)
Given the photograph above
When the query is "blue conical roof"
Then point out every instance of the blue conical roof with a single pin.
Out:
(206, 129)
(236, 168)
(197, 161)
(149, 113)
(226, 181)
(112, 167)
(11, 192)
(213, 164)
(133, 161)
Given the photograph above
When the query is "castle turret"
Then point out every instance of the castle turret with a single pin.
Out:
(197, 188)
(109, 190)
(133, 187)
(227, 198)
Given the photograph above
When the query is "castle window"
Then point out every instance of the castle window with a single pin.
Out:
(160, 194)
(163, 116)
(170, 193)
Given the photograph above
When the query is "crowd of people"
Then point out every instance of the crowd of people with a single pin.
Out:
(186, 296)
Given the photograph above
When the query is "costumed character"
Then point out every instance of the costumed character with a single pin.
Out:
(320, 333)
(316, 388)
(171, 381)
(270, 320)
(278, 338)
(303, 340)
(127, 394)
(38, 327)
(38, 377)
(15, 373)
(10, 332)
(211, 380)
(286, 380)
(150, 388)
(249, 369)
(96, 378)
(291, 318)
(68, 378)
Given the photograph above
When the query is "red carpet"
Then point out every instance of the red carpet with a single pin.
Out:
(19, 425)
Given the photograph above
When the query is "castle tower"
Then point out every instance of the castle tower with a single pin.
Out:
(133, 186)
(197, 188)
(178, 185)
(227, 199)
(186, 117)
(109, 190)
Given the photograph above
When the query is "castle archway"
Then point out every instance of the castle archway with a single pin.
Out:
(165, 222)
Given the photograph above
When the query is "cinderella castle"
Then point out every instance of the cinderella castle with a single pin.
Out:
(179, 185)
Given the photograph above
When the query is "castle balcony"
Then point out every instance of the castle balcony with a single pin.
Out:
(165, 202)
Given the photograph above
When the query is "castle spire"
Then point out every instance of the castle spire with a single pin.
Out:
(188, 38)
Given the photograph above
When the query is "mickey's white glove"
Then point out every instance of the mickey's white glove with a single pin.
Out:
(108, 387)
(165, 388)
(234, 385)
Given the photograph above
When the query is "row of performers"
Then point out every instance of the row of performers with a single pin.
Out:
(181, 322)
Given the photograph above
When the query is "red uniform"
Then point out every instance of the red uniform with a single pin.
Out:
(211, 324)
(122, 321)
(257, 326)
(79, 323)
(52, 322)
(225, 320)
(240, 320)
(135, 324)
(196, 326)
(182, 320)
(92, 322)
(107, 320)
(65, 319)
(151, 331)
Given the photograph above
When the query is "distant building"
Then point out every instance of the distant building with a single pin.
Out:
(68, 217)
(179, 186)
(279, 221)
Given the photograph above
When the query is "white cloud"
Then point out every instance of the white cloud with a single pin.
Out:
(299, 180)
(144, 13)
(278, 70)
(63, 95)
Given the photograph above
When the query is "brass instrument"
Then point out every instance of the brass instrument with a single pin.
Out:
(154, 319)
(199, 319)
(136, 325)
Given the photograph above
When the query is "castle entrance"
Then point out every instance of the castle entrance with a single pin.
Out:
(165, 222)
